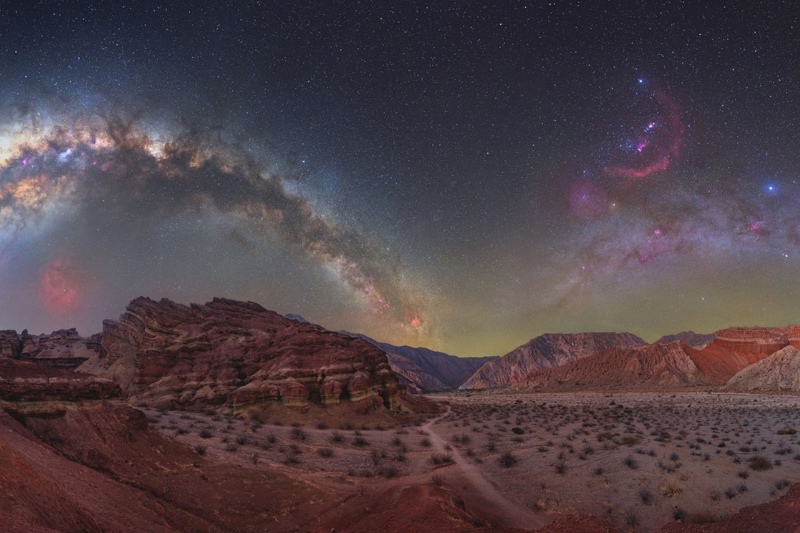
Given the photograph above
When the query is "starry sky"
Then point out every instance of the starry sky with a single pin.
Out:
(441, 173)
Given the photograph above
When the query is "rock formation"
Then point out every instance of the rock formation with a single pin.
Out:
(734, 349)
(698, 341)
(23, 384)
(643, 367)
(546, 351)
(238, 355)
(778, 372)
(61, 349)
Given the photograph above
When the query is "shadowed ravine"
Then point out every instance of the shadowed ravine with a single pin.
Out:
(501, 511)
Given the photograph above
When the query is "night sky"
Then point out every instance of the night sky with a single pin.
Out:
(438, 173)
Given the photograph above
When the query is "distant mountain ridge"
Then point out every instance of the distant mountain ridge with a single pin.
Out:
(754, 358)
(546, 351)
(690, 338)
(424, 370)
(641, 367)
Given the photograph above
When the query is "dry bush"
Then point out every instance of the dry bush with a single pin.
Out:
(759, 462)
(670, 490)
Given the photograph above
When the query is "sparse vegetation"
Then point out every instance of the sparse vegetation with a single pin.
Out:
(507, 460)
(760, 463)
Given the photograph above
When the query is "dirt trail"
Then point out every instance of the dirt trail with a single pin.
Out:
(500, 510)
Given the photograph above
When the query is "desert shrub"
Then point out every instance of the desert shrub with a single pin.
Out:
(507, 460)
(241, 440)
(742, 488)
(518, 430)
(631, 518)
(291, 460)
(599, 471)
(731, 493)
(561, 468)
(425, 442)
(297, 434)
(744, 474)
(388, 471)
(271, 438)
(437, 480)
(206, 434)
(231, 447)
(631, 440)
(631, 463)
(646, 496)
(782, 484)
(200, 449)
(679, 514)
(787, 431)
(759, 462)
(325, 452)
(360, 441)
(182, 431)
(670, 490)
(441, 459)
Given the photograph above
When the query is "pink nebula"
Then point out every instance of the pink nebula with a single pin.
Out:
(662, 148)
(60, 286)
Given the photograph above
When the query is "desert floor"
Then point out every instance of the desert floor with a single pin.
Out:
(521, 460)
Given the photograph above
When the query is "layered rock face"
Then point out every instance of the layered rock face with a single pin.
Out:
(238, 355)
(546, 351)
(25, 383)
(734, 349)
(778, 372)
(644, 367)
(61, 349)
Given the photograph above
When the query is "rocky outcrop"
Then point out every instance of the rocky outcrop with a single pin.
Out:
(238, 355)
(23, 382)
(64, 348)
(778, 372)
(644, 367)
(697, 341)
(99, 468)
(546, 351)
(424, 370)
(735, 349)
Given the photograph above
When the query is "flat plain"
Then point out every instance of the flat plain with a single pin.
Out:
(520, 460)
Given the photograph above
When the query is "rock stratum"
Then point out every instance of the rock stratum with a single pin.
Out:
(546, 351)
(643, 367)
(742, 352)
(238, 355)
(778, 372)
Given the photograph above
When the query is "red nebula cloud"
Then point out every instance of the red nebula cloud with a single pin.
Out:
(659, 152)
(60, 287)
(416, 321)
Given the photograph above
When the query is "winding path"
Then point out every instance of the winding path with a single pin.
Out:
(501, 511)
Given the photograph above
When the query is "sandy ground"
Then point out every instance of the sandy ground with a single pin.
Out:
(522, 460)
